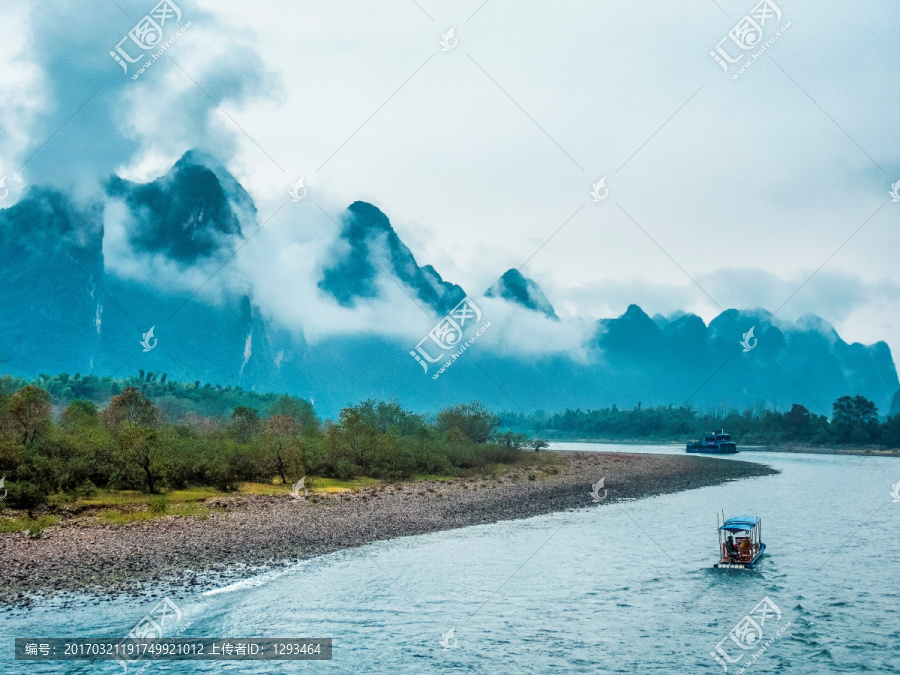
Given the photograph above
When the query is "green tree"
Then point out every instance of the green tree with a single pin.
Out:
(298, 409)
(25, 494)
(280, 436)
(131, 419)
(472, 420)
(352, 442)
(389, 415)
(130, 407)
(797, 422)
(80, 413)
(890, 432)
(854, 419)
(139, 447)
(245, 423)
(29, 410)
(87, 453)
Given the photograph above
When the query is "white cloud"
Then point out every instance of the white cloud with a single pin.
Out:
(749, 188)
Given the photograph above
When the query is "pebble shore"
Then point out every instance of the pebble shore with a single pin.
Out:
(252, 533)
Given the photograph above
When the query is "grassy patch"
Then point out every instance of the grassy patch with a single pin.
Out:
(35, 526)
(335, 485)
(263, 489)
(190, 509)
(113, 499)
(543, 459)
(157, 504)
(313, 484)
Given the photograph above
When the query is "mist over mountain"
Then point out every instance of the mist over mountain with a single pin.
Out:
(369, 243)
(64, 311)
(191, 212)
(515, 287)
(74, 302)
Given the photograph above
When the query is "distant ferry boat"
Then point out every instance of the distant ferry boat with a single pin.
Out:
(717, 443)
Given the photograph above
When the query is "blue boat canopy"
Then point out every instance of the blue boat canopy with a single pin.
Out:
(740, 523)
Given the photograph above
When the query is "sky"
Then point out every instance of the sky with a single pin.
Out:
(770, 190)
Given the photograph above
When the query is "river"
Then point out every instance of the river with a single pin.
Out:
(620, 588)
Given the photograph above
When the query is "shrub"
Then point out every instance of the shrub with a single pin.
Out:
(472, 420)
(131, 445)
(157, 504)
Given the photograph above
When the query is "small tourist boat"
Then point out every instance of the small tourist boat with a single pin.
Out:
(715, 443)
(740, 544)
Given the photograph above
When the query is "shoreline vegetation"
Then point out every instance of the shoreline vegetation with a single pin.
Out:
(53, 456)
(828, 450)
(854, 425)
(209, 538)
(799, 448)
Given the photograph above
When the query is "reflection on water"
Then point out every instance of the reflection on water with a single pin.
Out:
(615, 588)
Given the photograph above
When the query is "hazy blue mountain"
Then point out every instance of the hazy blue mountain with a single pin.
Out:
(192, 212)
(64, 311)
(631, 360)
(197, 212)
(227, 344)
(515, 287)
(374, 246)
(632, 335)
(806, 361)
(51, 259)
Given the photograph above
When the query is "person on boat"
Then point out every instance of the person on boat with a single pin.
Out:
(745, 548)
(729, 547)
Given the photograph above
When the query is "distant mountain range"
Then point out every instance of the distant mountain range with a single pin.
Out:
(66, 310)
(515, 287)
(370, 238)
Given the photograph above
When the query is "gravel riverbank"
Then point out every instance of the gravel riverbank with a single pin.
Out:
(251, 532)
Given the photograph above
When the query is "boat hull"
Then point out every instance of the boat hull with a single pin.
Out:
(741, 565)
(724, 449)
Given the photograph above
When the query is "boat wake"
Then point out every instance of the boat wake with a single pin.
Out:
(252, 582)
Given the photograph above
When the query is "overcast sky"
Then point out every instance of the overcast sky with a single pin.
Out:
(483, 156)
